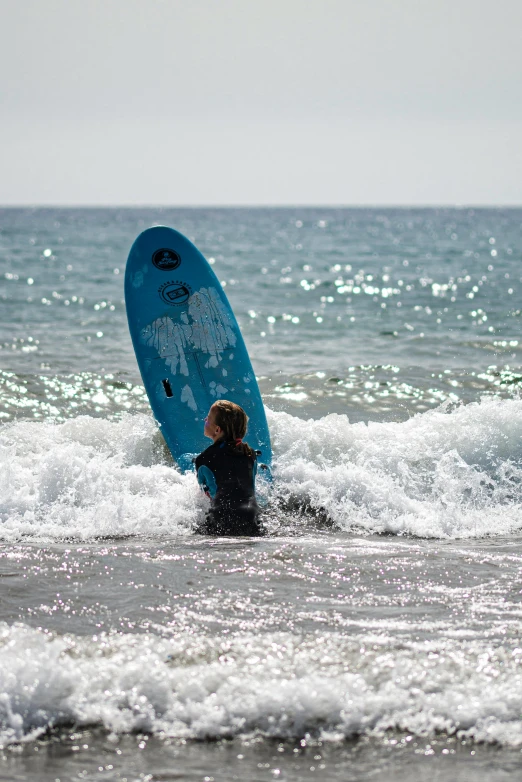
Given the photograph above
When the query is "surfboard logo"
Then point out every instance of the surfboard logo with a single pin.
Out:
(174, 292)
(166, 260)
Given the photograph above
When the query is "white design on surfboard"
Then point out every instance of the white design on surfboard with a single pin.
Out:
(188, 397)
(207, 328)
(216, 389)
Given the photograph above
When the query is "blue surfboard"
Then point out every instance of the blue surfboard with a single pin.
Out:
(188, 345)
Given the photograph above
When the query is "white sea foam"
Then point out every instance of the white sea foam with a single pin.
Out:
(441, 474)
(445, 473)
(274, 685)
(90, 477)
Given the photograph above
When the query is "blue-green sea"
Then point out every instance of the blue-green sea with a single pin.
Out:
(375, 632)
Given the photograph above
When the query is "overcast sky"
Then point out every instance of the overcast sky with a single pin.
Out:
(261, 102)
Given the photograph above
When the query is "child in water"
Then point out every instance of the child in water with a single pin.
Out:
(226, 471)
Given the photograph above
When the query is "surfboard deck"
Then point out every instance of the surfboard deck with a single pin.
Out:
(188, 345)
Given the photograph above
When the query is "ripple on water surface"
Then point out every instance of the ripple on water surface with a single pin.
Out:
(315, 639)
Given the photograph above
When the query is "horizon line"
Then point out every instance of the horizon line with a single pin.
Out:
(58, 205)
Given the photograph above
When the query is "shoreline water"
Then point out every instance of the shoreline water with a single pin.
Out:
(86, 755)
(386, 601)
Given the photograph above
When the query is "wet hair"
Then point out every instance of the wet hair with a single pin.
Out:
(233, 420)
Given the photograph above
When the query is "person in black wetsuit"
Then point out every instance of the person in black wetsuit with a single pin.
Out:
(226, 471)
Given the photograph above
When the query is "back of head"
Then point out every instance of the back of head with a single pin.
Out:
(233, 420)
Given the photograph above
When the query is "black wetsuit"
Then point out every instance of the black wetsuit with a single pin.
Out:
(227, 475)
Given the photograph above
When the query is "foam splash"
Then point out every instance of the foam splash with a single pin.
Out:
(89, 477)
(446, 473)
(276, 686)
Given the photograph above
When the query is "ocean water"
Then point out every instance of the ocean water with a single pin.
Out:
(375, 633)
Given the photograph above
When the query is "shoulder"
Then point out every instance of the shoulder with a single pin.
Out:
(207, 455)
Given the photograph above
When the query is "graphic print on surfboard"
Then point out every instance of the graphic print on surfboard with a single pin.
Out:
(189, 348)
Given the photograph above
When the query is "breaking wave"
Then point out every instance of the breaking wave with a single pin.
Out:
(448, 473)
